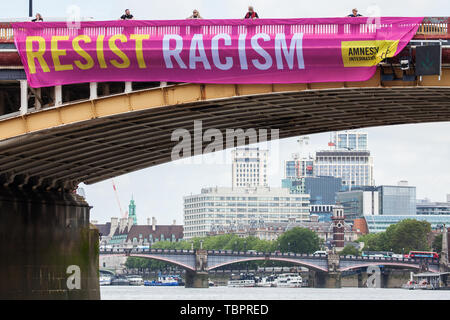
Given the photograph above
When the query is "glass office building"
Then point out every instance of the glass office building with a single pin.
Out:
(381, 223)
(299, 168)
(322, 190)
(358, 203)
(397, 200)
(433, 208)
(351, 140)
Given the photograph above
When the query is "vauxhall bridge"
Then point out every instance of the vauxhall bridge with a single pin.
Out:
(53, 138)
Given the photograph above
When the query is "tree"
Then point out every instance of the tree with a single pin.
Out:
(299, 240)
(437, 243)
(349, 250)
(410, 235)
(404, 236)
(372, 242)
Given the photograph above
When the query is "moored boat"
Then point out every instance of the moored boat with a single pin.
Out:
(241, 283)
(169, 281)
(105, 281)
(135, 280)
(289, 280)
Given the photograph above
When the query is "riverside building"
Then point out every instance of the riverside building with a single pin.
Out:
(221, 206)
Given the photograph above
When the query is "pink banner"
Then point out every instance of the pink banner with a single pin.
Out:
(210, 51)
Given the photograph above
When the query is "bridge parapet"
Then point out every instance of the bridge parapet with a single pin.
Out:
(430, 28)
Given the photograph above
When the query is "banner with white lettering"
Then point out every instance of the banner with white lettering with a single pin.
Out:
(210, 51)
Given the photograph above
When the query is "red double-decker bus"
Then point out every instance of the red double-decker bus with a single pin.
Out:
(423, 254)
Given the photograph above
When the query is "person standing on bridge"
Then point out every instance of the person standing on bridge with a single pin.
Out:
(354, 14)
(251, 14)
(127, 15)
(38, 18)
(195, 15)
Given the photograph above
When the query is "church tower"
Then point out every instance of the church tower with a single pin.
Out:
(132, 211)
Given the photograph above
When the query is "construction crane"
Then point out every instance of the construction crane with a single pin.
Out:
(124, 215)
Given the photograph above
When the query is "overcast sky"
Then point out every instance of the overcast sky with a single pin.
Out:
(417, 153)
(219, 9)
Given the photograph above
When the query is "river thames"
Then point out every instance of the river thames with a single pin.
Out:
(225, 293)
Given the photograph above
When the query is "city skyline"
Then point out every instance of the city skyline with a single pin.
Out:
(393, 162)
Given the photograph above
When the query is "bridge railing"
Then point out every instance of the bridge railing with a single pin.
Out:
(431, 28)
(6, 33)
(434, 28)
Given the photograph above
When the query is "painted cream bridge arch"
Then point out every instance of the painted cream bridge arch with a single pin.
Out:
(93, 140)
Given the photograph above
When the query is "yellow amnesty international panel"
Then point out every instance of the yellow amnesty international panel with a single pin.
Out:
(367, 53)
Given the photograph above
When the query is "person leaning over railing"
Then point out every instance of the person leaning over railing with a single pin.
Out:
(251, 14)
(38, 18)
(195, 15)
(127, 15)
(354, 14)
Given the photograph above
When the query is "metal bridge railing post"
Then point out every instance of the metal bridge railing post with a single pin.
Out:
(128, 87)
(58, 96)
(23, 97)
(93, 90)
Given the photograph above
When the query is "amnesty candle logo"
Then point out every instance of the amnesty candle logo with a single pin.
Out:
(367, 53)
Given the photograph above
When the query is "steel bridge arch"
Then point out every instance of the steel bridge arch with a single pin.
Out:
(294, 261)
(378, 263)
(163, 259)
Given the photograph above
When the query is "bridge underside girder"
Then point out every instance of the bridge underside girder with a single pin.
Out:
(95, 140)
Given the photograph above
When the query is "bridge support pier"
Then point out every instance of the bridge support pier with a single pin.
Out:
(360, 280)
(318, 279)
(196, 279)
(48, 249)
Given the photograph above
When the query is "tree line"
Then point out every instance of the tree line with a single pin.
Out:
(402, 237)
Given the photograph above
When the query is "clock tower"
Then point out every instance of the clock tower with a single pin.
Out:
(338, 227)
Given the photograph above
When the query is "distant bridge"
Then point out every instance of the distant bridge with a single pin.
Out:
(200, 262)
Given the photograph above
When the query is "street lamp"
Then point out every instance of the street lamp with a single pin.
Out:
(30, 8)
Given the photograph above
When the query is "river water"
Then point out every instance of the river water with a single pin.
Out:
(225, 293)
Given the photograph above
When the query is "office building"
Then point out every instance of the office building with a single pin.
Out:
(355, 168)
(364, 201)
(348, 158)
(324, 212)
(426, 207)
(249, 167)
(351, 140)
(223, 207)
(322, 190)
(381, 222)
(397, 200)
(299, 168)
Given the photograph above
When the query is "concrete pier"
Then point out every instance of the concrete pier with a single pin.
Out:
(48, 249)
(318, 279)
(196, 279)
